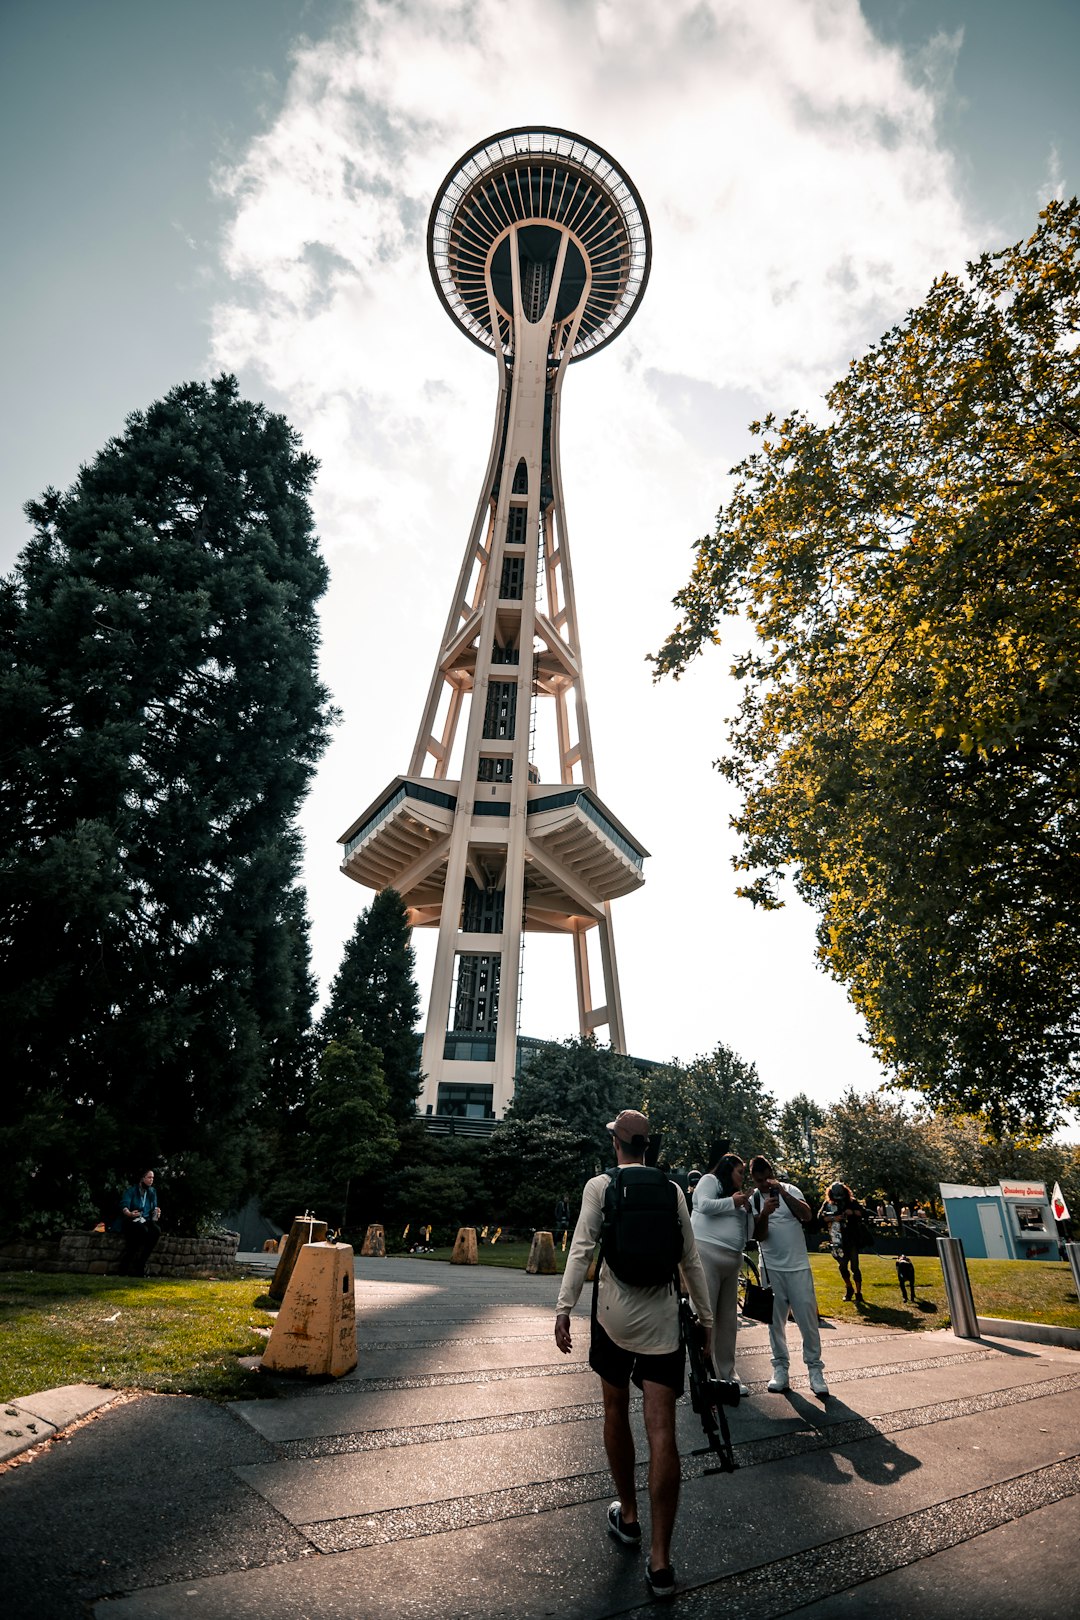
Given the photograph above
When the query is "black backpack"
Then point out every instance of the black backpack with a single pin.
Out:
(641, 1238)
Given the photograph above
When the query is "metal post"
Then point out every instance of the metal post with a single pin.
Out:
(1072, 1255)
(965, 1324)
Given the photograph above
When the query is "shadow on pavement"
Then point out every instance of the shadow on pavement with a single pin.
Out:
(873, 1458)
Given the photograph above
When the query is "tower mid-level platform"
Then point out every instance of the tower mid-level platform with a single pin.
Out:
(577, 853)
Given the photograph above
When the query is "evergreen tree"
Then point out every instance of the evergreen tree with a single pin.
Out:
(448, 1192)
(161, 718)
(349, 1125)
(375, 993)
(582, 1084)
(532, 1163)
(328, 1153)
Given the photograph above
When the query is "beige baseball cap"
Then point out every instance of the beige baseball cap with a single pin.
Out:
(627, 1125)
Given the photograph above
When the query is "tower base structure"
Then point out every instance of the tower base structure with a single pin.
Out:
(539, 247)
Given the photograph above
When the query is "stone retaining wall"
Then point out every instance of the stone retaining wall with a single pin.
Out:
(99, 1253)
(29, 1254)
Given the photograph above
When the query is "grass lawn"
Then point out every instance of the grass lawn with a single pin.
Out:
(184, 1336)
(882, 1305)
(1025, 1291)
(181, 1336)
(1021, 1290)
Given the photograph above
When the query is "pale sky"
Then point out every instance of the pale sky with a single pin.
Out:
(245, 184)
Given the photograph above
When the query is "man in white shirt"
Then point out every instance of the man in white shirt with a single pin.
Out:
(783, 1249)
(635, 1337)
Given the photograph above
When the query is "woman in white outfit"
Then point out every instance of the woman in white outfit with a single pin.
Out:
(723, 1224)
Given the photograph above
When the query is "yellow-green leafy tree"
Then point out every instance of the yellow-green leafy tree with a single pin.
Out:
(908, 739)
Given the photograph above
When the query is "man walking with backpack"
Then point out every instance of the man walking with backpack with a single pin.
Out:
(643, 1224)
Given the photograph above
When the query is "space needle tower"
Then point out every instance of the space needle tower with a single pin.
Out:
(539, 248)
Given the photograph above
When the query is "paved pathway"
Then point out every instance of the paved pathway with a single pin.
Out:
(459, 1472)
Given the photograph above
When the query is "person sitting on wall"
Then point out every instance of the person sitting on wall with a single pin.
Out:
(137, 1223)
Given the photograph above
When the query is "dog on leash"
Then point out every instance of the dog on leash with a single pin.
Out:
(905, 1276)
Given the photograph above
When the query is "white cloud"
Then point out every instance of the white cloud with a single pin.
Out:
(1053, 187)
(800, 201)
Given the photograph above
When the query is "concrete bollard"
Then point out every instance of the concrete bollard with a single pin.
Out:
(541, 1261)
(965, 1323)
(1072, 1255)
(315, 1331)
(304, 1229)
(465, 1248)
(374, 1242)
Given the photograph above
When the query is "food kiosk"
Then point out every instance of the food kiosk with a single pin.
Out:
(1012, 1221)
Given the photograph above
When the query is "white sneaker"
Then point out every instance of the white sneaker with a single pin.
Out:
(818, 1385)
(778, 1381)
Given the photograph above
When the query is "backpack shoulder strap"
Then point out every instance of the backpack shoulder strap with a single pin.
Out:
(613, 1181)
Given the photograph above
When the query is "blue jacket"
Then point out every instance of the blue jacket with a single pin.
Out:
(144, 1199)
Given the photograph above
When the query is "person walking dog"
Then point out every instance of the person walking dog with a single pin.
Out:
(846, 1220)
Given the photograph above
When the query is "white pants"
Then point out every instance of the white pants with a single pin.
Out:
(722, 1275)
(794, 1289)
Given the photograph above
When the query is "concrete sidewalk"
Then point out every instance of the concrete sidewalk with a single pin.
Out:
(459, 1471)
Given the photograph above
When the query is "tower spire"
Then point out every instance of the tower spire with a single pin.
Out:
(539, 247)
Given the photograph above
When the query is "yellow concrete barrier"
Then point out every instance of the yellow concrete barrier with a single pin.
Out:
(374, 1242)
(315, 1331)
(304, 1229)
(465, 1248)
(541, 1261)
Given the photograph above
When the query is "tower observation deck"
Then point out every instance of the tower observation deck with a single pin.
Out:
(539, 247)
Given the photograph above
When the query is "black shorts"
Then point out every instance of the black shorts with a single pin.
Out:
(621, 1367)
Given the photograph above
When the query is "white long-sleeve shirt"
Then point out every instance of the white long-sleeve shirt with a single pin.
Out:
(717, 1220)
(642, 1320)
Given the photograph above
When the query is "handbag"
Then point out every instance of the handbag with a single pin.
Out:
(757, 1305)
